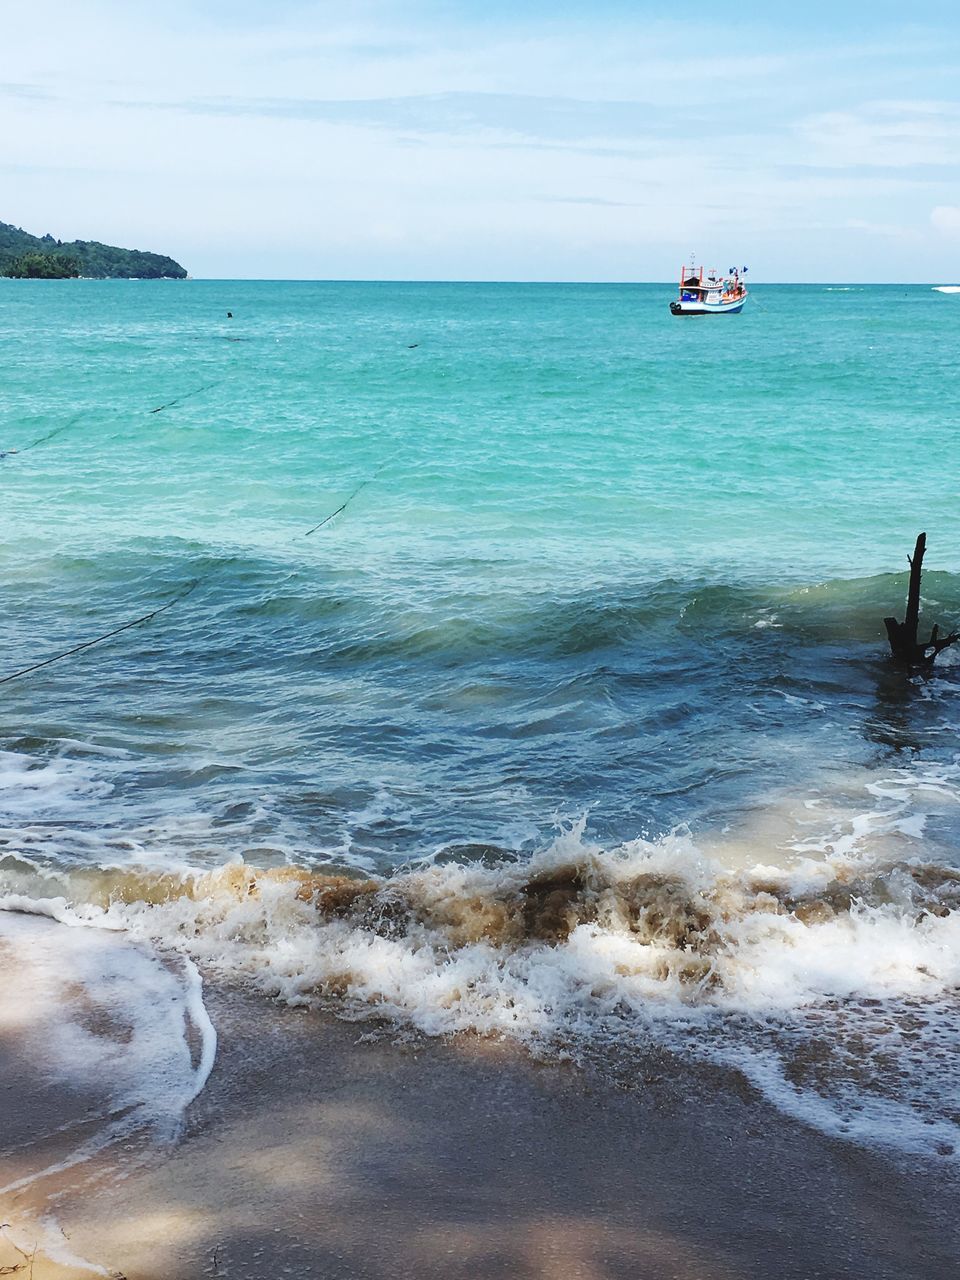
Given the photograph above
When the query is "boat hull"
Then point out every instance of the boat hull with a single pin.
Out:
(707, 308)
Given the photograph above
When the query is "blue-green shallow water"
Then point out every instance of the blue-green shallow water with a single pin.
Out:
(604, 561)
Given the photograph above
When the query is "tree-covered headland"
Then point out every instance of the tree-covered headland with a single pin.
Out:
(42, 258)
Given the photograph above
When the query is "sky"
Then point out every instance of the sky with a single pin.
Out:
(528, 140)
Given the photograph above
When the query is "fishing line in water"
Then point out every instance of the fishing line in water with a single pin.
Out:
(343, 506)
(78, 417)
(49, 436)
(88, 644)
(180, 399)
(146, 617)
(135, 622)
(153, 613)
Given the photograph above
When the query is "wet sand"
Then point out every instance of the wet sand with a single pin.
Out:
(318, 1151)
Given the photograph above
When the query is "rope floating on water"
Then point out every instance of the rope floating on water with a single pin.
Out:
(88, 644)
(146, 617)
(343, 506)
(180, 399)
(49, 436)
(77, 417)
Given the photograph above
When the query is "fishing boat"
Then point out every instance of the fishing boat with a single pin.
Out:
(710, 294)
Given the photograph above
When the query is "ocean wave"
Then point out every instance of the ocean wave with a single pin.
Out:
(780, 970)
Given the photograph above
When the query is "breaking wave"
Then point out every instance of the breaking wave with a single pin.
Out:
(830, 982)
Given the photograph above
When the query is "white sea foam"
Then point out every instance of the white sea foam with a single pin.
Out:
(79, 808)
(813, 914)
(747, 963)
(107, 1017)
(45, 1236)
(29, 789)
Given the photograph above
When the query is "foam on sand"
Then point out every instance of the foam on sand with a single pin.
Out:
(104, 1017)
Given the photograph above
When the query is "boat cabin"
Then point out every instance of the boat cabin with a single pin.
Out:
(695, 286)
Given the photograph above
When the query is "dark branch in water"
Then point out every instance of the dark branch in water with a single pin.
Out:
(904, 645)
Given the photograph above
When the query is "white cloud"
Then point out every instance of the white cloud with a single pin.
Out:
(946, 219)
(884, 135)
(892, 230)
(305, 137)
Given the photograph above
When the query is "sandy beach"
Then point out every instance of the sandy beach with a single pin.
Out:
(322, 1148)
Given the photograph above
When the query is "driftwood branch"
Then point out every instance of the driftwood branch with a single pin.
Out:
(904, 645)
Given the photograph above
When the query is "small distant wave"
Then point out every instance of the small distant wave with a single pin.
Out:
(946, 288)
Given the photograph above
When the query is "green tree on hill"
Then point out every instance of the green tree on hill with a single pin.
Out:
(44, 258)
(43, 266)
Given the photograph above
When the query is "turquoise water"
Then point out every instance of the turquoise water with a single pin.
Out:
(549, 598)
(583, 661)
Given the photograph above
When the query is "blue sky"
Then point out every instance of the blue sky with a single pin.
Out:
(525, 140)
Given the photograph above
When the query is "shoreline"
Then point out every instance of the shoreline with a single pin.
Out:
(339, 1150)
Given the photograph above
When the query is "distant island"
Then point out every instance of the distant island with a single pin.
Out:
(28, 257)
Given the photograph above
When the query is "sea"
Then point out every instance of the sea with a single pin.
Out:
(494, 660)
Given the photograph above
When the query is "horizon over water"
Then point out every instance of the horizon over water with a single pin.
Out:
(584, 683)
(532, 284)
